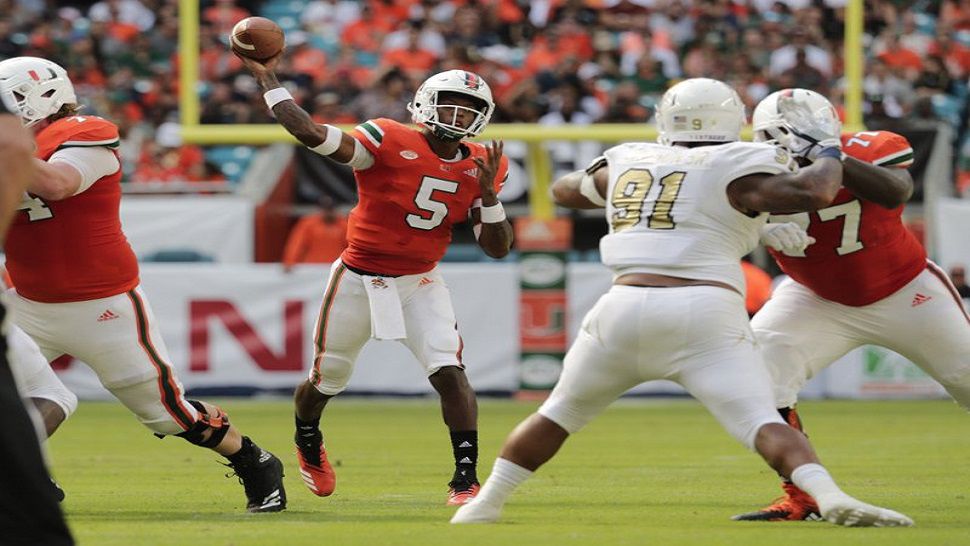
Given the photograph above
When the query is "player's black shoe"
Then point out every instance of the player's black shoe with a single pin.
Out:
(261, 474)
(58, 492)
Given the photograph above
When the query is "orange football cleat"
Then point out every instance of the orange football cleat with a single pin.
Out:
(316, 471)
(459, 494)
(796, 505)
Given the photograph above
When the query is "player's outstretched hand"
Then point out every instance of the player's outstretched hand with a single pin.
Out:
(260, 68)
(488, 167)
(811, 133)
(788, 237)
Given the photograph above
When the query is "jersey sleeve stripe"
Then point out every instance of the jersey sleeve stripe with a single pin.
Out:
(110, 143)
(372, 132)
(900, 158)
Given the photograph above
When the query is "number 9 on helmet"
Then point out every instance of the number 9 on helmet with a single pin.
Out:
(427, 104)
(700, 110)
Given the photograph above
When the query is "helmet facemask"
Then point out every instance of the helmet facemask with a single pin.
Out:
(432, 108)
(771, 126)
(444, 111)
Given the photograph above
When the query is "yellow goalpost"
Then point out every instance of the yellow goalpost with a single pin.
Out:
(540, 170)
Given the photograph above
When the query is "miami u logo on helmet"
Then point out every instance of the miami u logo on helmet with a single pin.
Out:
(472, 81)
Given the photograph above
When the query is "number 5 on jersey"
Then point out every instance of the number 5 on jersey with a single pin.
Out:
(423, 199)
(36, 208)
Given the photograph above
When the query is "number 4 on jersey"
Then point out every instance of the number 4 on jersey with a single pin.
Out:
(36, 208)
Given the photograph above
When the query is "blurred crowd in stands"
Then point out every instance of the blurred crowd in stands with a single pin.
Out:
(548, 61)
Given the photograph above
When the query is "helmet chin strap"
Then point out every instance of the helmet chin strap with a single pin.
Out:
(445, 134)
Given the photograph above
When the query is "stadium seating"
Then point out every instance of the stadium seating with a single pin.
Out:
(231, 160)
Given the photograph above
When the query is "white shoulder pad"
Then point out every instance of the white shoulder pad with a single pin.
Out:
(741, 159)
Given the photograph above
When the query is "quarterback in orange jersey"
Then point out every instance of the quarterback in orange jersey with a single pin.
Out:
(865, 280)
(76, 278)
(413, 186)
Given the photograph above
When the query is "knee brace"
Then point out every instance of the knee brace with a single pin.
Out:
(334, 374)
(217, 423)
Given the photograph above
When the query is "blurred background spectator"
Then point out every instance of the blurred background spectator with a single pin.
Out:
(757, 286)
(317, 238)
(553, 62)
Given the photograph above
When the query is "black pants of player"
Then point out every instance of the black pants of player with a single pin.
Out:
(29, 511)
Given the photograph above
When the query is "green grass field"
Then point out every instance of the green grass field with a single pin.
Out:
(646, 472)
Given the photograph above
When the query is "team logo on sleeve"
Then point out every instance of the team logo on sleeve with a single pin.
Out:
(409, 154)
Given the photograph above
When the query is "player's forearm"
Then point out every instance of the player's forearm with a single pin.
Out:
(54, 181)
(496, 238)
(566, 192)
(815, 186)
(15, 156)
(882, 185)
(812, 188)
(294, 119)
(299, 124)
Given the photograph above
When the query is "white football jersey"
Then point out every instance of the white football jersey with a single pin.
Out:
(668, 209)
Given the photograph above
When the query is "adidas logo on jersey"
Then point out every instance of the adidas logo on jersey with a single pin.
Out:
(920, 299)
(107, 315)
(473, 172)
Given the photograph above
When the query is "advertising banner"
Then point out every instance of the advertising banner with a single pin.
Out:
(248, 329)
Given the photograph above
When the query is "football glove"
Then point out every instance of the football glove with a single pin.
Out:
(788, 237)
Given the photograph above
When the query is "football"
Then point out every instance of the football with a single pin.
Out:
(257, 38)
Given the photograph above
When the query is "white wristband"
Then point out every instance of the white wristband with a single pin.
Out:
(331, 143)
(276, 96)
(493, 214)
(587, 187)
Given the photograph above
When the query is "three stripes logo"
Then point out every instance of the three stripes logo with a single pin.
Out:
(107, 315)
(920, 299)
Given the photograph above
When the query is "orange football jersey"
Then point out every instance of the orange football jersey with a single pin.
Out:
(862, 251)
(409, 200)
(72, 249)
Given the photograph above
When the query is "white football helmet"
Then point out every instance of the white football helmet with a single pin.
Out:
(770, 124)
(700, 110)
(424, 108)
(35, 87)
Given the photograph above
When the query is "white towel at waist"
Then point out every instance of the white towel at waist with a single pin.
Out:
(386, 315)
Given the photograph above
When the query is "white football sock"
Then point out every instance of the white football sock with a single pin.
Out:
(505, 477)
(816, 481)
